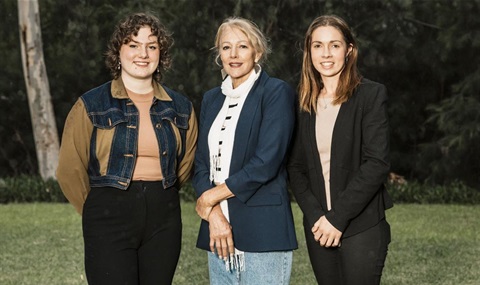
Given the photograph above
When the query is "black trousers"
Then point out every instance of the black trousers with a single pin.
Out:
(132, 237)
(359, 260)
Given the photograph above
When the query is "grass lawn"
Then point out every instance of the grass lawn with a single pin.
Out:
(432, 244)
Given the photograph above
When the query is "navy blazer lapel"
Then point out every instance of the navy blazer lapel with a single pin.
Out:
(245, 123)
(214, 109)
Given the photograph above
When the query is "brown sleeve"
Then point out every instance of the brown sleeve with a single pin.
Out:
(185, 166)
(73, 158)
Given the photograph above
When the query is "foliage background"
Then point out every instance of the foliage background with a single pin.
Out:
(425, 52)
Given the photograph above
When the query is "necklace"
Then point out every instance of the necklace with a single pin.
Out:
(324, 103)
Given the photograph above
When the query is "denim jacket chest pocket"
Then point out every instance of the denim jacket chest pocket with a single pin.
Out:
(108, 119)
(170, 127)
(110, 140)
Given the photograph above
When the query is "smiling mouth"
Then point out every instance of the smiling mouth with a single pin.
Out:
(235, 64)
(326, 64)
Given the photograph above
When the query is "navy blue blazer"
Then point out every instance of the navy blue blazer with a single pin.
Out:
(260, 213)
(359, 163)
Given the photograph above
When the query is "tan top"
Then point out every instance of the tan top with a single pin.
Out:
(325, 121)
(147, 166)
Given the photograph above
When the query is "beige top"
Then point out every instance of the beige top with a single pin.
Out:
(325, 121)
(147, 167)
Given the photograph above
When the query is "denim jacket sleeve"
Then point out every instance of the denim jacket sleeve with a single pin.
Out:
(73, 158)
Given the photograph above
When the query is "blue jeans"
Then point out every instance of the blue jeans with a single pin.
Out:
(260, 268)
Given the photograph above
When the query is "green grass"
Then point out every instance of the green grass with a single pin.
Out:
(432, 244)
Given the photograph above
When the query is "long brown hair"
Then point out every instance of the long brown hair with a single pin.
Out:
(311, 82)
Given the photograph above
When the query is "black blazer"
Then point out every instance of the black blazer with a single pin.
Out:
(359, 163)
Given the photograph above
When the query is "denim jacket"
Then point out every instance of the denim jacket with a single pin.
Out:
(99, 143)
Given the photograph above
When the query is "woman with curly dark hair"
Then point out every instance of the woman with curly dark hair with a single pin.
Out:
(127, 147)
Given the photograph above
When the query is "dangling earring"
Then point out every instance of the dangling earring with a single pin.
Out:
(119, 66)
(346, 59)
(257, 67)
(158, 69)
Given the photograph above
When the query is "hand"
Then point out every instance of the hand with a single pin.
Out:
(325, 233)
(211, 198)
(204, 206)
(221, 237)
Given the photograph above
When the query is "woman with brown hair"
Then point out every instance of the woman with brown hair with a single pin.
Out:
(127, 147)
(340, 159)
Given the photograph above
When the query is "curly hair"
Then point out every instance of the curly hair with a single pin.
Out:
(129, 27)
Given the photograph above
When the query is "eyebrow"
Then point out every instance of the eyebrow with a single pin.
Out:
(152, 42)
(227, 42)
(329, 41)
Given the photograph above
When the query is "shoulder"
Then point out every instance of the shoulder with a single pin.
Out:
(274, 91)
(99, 98)
(211, 94)
(180, 103)
(175, 95)
(369, 87)
(268, 82)
(369, 91)
(102, 90)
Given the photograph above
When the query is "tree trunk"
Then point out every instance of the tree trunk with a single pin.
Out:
(38, 90)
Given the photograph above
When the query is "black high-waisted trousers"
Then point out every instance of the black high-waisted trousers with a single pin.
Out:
(359, 260)
(132, 237)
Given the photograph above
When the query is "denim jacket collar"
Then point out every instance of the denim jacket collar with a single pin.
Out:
(119, 92)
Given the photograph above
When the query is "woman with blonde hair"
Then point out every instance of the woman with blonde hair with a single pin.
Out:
(240, 165)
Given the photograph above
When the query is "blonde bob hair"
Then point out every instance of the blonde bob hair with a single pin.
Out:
(251, 30)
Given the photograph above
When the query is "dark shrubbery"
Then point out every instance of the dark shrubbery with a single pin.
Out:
(415, 192)
(26, 188)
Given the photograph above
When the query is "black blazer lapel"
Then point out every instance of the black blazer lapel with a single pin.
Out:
(343, 133)
(315, 156)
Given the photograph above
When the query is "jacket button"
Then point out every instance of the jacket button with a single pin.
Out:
(158, 126)
(164, 153)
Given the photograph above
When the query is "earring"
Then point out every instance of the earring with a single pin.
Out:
(217, 62)
(119, 66)
(158, 69)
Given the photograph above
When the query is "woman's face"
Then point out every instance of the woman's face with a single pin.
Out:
(328, 51)
(139, 58)
(237, 54)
